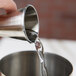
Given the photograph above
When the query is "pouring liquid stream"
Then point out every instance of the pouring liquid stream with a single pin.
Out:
(33, 36)
(40, 52)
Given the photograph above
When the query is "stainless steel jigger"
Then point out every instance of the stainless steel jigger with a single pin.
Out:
(17, 24)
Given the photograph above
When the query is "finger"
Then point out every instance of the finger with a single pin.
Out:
(8, 5)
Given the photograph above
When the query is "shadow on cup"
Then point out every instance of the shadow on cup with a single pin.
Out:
(27, 63)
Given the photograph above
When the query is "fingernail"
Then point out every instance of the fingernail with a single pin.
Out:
(2, 11)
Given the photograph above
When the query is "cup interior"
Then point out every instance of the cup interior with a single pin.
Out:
(57, 65)
(27, 63)
(24, 63)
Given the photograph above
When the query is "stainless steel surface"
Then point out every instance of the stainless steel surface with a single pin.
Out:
(21, 64)
(17, 24)
(57, 65)
(28, 64)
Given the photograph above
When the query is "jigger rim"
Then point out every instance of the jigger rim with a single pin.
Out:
(24, 26)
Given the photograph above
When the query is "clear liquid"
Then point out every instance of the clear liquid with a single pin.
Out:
(40, 50)
(33, 36)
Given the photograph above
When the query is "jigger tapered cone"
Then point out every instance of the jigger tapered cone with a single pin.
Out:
(19, 23)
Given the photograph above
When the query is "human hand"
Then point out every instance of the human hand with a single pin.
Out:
(9, 6)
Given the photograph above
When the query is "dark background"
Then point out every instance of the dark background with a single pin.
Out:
(57, 17)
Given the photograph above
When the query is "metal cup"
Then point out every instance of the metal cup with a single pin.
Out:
(21, 64)
(27, 63)
(57, 65)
